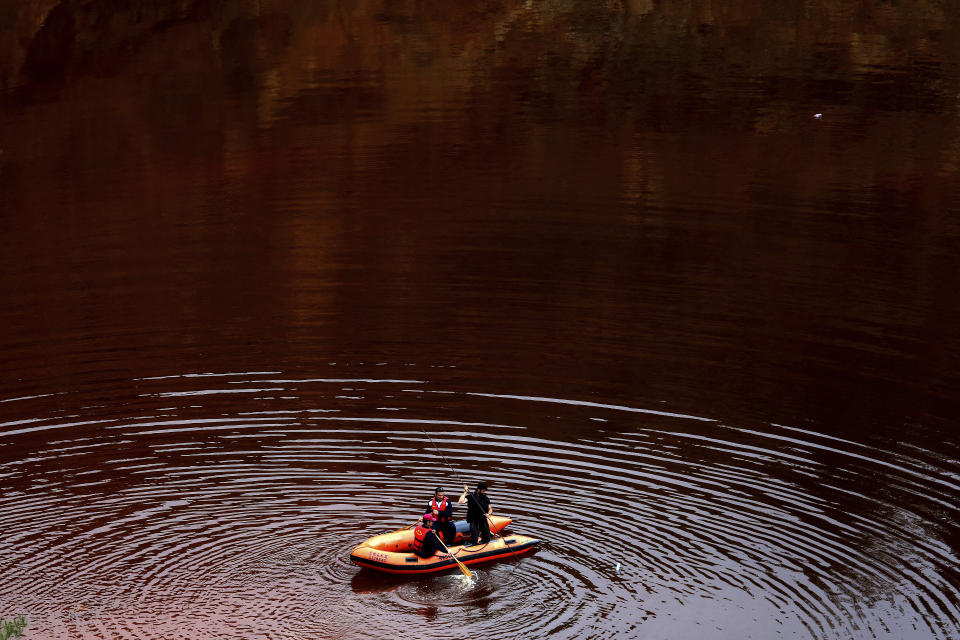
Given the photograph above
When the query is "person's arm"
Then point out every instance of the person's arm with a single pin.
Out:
(463, 496)
(437, 545)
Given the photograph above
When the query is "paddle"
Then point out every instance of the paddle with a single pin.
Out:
(463, 567)
(407, 528)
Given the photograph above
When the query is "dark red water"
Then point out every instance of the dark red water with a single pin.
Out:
(271, 271)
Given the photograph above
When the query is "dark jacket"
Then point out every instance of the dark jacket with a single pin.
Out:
(477, 507)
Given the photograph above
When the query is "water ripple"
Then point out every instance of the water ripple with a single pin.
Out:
(197, 505)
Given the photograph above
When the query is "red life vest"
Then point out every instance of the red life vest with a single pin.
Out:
(440, 508)
(419, 535)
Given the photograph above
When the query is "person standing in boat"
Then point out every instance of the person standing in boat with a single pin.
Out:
(442, 509)
(478, 510)
(425, 541)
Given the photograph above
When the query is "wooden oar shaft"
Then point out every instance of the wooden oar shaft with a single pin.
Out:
(463, 567)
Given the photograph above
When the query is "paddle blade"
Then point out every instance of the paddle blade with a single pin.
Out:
(463, 567)
(464, 570)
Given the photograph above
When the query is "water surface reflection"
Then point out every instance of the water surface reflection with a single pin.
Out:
(257, 254)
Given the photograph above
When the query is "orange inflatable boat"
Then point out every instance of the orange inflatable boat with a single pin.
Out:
(393, 552)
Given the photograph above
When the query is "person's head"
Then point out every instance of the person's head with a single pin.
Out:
(428, 519)
(438, 493)
(481, 486)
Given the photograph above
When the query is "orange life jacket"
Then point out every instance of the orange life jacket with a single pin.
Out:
(419, 535)
(440, 508)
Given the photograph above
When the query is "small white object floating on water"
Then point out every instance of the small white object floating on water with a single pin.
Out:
(618, 568)
(817, 116)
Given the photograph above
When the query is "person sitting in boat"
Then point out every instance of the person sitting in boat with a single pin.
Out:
(425, 541)
(442, 509)
(478, 509)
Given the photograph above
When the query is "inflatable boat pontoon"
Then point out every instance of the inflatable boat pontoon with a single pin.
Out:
(392, 552)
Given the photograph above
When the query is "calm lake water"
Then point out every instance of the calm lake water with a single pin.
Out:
(678, 279)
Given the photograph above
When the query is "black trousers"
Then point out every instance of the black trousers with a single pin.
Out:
(448, 530)
(480, 529)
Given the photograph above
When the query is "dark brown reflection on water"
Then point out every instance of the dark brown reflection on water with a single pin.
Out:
(623, 204)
